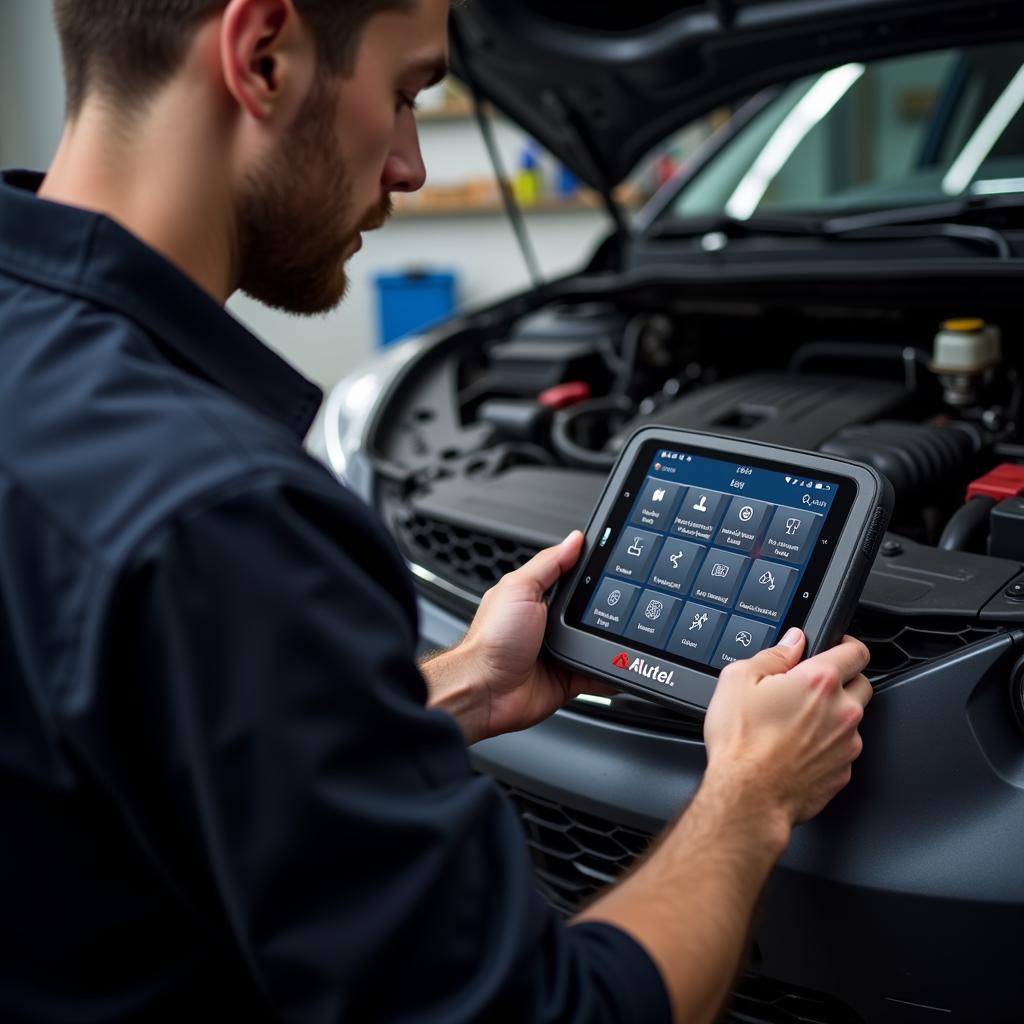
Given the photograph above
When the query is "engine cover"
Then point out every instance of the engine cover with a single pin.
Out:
(795, 411)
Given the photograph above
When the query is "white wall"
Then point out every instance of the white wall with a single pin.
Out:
(480, 248)
(31, 84)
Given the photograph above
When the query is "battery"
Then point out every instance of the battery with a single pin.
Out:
(1007, 526)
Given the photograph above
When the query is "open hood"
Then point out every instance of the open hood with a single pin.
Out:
(600, 84)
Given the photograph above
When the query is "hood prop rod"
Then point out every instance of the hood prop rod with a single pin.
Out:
(512, 207)
(612, 208)
(572, 120)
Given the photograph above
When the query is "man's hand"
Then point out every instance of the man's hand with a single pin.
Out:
(788, 731)
(493, 682)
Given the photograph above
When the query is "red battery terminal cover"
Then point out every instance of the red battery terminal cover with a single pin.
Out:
(1005, 481)
(562, 395)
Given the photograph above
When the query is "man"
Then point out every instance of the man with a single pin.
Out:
(228, 790)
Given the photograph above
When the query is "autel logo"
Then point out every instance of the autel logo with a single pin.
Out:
(642, 668)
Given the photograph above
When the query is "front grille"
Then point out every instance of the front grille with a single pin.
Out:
(757, 1000)
(896, 645)
(575, 855)
(469, 558)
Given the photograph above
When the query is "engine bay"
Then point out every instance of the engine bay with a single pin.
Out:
(498, 437)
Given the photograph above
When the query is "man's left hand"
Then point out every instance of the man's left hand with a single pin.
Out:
(494, 682)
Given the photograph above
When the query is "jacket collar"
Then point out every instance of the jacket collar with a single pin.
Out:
(91, 256)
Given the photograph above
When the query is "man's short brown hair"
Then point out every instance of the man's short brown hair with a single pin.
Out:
(126, 49)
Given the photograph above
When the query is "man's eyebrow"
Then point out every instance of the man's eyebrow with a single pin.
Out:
(433, 68)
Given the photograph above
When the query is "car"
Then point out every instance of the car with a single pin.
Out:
(838, 269)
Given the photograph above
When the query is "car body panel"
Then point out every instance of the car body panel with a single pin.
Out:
(912, 875)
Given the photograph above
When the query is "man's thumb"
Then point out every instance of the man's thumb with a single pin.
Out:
(780, 658)
(544, 569)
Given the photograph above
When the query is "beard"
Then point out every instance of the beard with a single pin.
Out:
(295, 218)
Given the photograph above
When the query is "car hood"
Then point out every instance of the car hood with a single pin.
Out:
(600, 84)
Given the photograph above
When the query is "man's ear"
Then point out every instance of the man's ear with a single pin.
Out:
(258, 48)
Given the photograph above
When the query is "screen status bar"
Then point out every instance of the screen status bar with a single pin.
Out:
(790, 488)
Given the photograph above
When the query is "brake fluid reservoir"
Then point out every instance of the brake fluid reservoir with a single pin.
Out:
(963, 357)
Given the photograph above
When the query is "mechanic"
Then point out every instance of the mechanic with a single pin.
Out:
(228, 788)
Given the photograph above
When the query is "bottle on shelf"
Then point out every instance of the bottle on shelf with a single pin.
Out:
(527, 182)
(567, 185)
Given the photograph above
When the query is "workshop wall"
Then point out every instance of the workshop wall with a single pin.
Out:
(478, 245)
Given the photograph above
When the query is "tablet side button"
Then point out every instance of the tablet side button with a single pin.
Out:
(875, 530)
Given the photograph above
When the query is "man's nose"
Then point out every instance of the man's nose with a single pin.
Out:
(403, 169)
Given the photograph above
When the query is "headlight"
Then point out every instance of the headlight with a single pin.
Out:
(338, 440)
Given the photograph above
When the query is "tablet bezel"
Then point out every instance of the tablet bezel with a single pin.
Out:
(672, 679)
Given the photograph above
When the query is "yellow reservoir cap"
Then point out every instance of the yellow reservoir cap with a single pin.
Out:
(964, 324)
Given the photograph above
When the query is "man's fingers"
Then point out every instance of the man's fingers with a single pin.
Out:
(771, 661)
(860, 690)
(840, 663)
(547, 566)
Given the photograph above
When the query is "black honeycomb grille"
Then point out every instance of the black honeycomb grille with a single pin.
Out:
(469, 558)
(576, 854)
(757, 1000)
(476, 560)
(896, 645)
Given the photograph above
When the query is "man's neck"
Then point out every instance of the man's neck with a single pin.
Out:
(159, 176)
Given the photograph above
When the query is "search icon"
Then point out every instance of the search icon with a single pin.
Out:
(807, 499)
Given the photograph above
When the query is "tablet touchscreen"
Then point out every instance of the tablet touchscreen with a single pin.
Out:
(705, 560)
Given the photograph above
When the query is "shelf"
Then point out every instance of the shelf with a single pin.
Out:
(586, 203)
(438, 203)
(460, 110)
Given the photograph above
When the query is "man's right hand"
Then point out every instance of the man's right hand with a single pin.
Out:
(787, 730)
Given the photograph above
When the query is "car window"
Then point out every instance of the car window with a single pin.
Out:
(913, 129)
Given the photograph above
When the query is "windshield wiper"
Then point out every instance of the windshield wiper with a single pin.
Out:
(953, 210)
(935, 220)
(760, 224)
(944, 220)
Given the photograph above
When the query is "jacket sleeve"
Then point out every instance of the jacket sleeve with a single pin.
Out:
(257, 713)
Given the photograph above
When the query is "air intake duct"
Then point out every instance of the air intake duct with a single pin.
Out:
(921, 461)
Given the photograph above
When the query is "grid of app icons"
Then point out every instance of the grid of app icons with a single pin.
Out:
(702, 574)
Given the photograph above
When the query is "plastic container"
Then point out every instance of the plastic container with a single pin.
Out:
(567, 185)
(527, 185)
(409, 301)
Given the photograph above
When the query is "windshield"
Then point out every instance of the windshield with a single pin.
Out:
(914, 129)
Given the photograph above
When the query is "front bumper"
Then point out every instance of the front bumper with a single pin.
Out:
(904, 899)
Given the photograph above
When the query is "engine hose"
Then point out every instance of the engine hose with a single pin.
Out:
(965, 525)
(630, 349)
(571, 451)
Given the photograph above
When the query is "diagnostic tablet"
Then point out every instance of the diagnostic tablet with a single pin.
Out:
(705, 549)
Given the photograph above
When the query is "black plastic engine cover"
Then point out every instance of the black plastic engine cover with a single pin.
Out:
(799, 411)
(915, 579)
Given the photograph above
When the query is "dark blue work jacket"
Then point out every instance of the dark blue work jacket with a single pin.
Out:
(221, 792)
